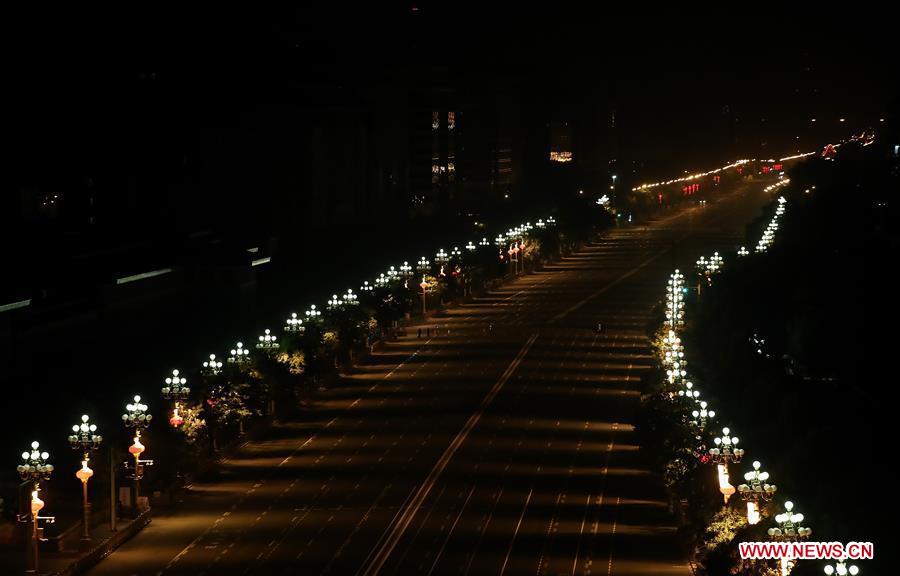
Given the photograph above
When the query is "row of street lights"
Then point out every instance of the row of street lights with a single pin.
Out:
(757, 488)
(85, 439)
(726, 451)
(768, 236)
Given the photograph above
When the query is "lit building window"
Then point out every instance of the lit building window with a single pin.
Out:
(562, 156)
(451, 120)
(435, 170)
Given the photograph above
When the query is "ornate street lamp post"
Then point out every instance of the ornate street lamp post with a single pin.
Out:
(177, 391)
(35, 470)
(423, 266)
(406, 271)
(239, 355)
(267, 341)
(136, 417)
(424, 286)
(675, 301)
(757, 488)
(841, 569)
(85, 439)
(211, 367)
(294, 325)
(788, 529)
(701, 416)
(313, 315)
(725, 452)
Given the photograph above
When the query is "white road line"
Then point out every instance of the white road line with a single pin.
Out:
(516, 533)
(384, 552)
(447, 539)
(587, 506)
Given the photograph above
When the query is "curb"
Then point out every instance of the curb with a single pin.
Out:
(101, 551)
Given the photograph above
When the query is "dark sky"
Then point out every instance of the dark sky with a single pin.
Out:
(671, 76)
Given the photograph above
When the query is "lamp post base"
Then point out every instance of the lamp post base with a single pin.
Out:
(85, 542)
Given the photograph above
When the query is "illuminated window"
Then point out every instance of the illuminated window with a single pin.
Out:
(451, 120)
(563, 156)
(436, 170)
(435, 120)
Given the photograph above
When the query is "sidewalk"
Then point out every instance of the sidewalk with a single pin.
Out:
(73, 561)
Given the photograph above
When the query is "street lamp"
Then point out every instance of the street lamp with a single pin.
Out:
(675, 300)
(334, 302)
(841, 569)
(294, 325)
(392, 274)
(267, 341)
(175, 388)
(381, 281)
(702, 415)
(423, 266)
(484, 242)
(470, 246)
(514, 257)
(314, 315)
(366, 287)
(34, 470)
(742, 251)
(789, 529)
(424, 286)
(350, 299)
(455, 253)
(757, 489)
(136, 417)
(689, 392)
(676, 372)
(441, 259)
(551, 221)
(715, 263)
(211, 367)
(406, 270)
(85, 439)
(703, 268)
(239, 354)
(726, 450)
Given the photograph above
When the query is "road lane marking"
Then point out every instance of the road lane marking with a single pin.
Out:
(621, 278)
(450, 533)
(383, 552)
(587, 506)
(516, 533)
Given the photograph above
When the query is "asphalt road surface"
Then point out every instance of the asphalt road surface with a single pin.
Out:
(501, 444)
